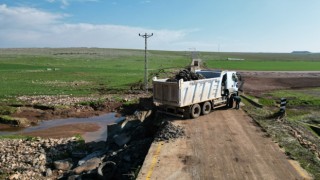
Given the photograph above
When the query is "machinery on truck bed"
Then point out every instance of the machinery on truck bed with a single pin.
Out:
(195, 97)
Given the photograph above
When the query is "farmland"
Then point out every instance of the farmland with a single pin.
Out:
(56, 83)
(83, 71)
(73, 71)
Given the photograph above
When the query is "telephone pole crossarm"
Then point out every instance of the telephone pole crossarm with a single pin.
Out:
(145, 36)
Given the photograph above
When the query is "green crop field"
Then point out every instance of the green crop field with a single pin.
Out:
(76, 71)
(83, 71)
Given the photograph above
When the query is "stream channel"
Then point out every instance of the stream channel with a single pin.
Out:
(99, 135)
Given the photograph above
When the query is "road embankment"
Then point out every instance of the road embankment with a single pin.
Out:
(225, 144)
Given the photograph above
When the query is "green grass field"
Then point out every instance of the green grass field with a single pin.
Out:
(83, 71)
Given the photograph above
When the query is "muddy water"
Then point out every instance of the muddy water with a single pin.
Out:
(99, 135)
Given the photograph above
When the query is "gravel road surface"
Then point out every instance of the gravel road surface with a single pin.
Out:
(225, 144)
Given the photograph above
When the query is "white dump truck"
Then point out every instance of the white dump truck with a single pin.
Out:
(195, 97)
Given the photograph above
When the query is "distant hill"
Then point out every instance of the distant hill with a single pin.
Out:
(300, 52)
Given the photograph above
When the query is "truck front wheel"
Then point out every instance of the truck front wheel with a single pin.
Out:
(206, 108)
(195, 111)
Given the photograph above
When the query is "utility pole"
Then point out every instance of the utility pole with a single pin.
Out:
(219, 51)
(145, 36)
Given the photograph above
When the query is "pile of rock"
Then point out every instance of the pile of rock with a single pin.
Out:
(168, 131)
(55, 100)
(69, 100)
(32, 158)
(186, 75)
(304, 141)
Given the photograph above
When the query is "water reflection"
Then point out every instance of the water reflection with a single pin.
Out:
(99, 135)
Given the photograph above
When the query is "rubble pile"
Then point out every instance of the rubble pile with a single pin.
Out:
(70, 100)
(32, 158)
(304, 140)
(186, 75)
(169, 131)
(54, 100)
(67, 158)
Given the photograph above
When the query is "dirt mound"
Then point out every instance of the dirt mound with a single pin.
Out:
(168, 131)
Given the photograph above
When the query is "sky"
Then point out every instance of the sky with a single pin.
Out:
(184, 25)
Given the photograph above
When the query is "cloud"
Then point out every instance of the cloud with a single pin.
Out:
(66, 3)
(30, 27)
(25, 17)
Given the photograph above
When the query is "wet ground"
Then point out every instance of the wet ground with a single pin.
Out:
(259, 82)
(91, 129)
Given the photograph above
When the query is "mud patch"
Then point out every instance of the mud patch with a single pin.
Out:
(78, 111)
(65, 130)
(258, 82)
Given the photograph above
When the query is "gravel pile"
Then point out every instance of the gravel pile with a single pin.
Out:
(168, 131)
(33, 158)
(68, 100)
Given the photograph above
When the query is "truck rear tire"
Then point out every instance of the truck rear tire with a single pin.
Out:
(206, 108)
(195, 111)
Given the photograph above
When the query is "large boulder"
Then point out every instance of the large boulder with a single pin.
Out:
(121, 139)
(142, 115)
(89, 165)
(90, 156)
(64, 165)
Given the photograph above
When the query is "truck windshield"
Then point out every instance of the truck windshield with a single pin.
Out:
(209, 74)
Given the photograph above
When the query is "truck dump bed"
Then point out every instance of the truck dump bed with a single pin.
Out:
(181, 93)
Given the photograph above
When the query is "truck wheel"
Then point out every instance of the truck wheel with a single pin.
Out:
(195, 111)
(206, 108)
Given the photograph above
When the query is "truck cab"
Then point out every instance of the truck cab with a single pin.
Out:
(229, 81)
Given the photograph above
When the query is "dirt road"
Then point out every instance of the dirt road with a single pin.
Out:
(225, 144)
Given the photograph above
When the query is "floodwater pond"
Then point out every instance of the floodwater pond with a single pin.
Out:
(98, 135)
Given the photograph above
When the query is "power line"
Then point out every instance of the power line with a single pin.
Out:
(145, 36)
